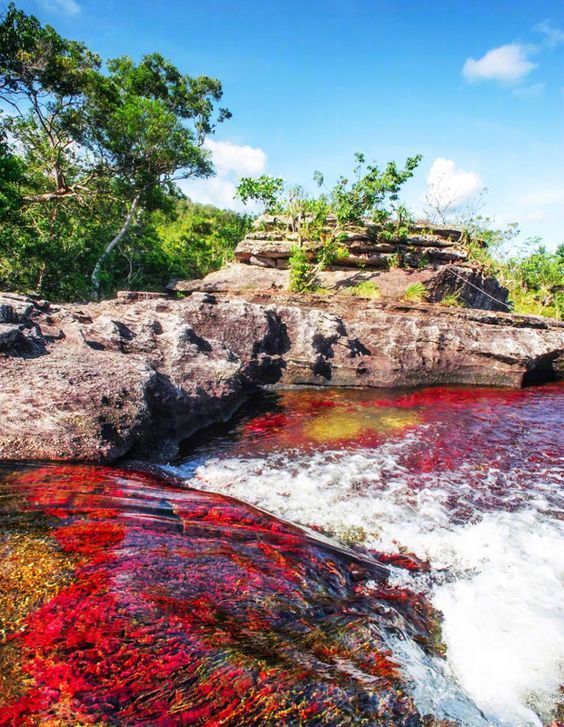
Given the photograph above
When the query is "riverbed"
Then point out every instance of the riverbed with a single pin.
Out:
(329, 556)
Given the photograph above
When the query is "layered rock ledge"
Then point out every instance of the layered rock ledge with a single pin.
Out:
(135, 375)
(434, 256)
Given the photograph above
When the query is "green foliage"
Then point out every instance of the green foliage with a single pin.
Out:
(452, 300)
(542, 269)
(536, 282)
(395, 260)
(12, 178)
(200, 238)
(533, 277)
(93, 152)
(264, 189)
(187, 241)
(366, 289)
(372, 189)
(415, 293)
(302, 273)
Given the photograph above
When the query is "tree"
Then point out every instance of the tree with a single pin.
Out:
(373, 194)
(113, 140)
(45, 80)
(265, 189)
(12, 176)
(148, 123)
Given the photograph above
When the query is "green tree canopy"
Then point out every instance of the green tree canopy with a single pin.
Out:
(96, 138)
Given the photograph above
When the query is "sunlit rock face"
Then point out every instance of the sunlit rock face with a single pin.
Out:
(128, 600)
(137, 374)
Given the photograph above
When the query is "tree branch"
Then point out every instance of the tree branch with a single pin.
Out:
(110, 246)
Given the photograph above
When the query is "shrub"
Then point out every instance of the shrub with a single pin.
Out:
(395, 260)
(302, 273)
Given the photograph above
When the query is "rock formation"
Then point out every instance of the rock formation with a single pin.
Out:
(432, 255)
(137, 374)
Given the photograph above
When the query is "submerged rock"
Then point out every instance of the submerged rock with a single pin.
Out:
(170, 606)
(139, 373)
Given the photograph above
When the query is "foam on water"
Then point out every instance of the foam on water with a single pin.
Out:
(496, 573)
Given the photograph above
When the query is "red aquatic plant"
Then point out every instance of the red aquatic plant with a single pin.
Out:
(191, 608)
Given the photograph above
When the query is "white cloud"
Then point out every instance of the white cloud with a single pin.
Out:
(241, 160)
(70, 7)
(231, 162)
(449, 186)
(534, 90)
(507, 64)
(553, 36)
(216, 190)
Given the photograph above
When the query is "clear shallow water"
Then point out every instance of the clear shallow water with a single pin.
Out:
(127, 599)
(467, 480)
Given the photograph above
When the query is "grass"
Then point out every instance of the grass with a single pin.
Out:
(452, 300)
(366, 289)
(415, 293)
(395, 261)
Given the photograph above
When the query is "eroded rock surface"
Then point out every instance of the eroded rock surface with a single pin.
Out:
(139, 373)
(434, 256)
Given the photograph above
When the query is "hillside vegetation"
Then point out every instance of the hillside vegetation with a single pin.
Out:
(91, 153)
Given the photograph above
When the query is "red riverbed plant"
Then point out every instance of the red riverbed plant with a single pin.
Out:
(173, 606)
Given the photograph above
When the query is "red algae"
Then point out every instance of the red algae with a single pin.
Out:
(162, 605)
(488, 431)
(184, 607)
(464, 496)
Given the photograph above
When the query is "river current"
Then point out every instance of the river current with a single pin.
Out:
(328, 557)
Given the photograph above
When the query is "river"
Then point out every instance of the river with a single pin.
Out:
(327, 557)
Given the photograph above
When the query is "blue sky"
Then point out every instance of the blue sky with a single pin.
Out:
(476, 86)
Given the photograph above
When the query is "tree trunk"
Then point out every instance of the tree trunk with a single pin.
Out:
(109, 247)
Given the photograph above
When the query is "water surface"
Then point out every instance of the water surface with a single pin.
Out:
(415, 576)
(467, 480)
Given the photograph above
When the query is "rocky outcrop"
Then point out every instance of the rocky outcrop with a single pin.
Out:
(137, 374)
(362, 246)
(471, 288)
(432, 255)
(92, 382)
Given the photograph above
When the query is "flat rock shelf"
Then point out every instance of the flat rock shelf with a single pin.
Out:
(134, 375)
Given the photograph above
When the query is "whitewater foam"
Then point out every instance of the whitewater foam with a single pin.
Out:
(496, 572)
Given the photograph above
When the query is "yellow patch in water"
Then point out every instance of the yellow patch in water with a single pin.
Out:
(34, 569)
(336, 425)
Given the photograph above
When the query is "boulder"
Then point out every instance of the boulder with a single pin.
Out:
(9, 334)
(472, 287)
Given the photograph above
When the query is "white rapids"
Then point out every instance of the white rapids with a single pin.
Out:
(497, 577)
